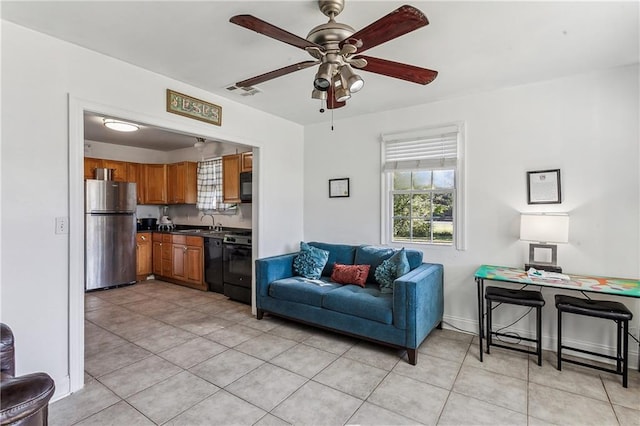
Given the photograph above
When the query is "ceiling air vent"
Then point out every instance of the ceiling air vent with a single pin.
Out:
(243, 91)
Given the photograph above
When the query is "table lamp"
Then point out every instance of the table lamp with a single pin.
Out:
(543, 229)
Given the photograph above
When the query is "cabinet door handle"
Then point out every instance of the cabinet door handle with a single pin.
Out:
(143, 238)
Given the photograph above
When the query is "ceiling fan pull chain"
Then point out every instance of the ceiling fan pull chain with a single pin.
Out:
(332, 120)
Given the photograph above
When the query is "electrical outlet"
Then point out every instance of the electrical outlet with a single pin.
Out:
(62, 225)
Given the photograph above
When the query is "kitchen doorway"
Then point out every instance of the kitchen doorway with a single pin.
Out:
(77, 109)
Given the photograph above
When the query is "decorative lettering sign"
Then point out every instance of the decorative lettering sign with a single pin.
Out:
(197, 109)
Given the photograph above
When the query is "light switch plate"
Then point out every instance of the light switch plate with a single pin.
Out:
(62, 225)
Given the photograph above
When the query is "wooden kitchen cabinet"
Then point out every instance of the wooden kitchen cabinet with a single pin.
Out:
(194, 266)
(144, 255)
(179, 259)
(119, 170)
(135, 174)
(90, 166)
(155, 183)
(182, 182)
(157, 254)
(246, 161)
(231, 178)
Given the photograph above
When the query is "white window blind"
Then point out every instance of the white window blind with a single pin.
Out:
(421, 149)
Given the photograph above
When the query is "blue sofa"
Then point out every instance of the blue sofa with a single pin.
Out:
(400, 319)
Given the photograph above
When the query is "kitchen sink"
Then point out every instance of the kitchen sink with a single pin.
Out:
(192, 231)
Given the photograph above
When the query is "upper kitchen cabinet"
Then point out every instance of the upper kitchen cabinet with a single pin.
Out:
(246, 161)
(232, 166)
(231, 178)
(90, 166)
(119, 170)
(182, 182)
(135, 173)
(155, 183)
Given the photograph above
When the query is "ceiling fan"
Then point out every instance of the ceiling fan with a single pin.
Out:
(338, 48)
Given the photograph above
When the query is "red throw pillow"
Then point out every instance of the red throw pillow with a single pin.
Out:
(350, 274)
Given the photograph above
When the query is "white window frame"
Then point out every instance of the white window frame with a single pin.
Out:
(459, 205)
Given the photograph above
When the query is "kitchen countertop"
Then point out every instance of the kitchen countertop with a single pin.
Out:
(195, 231)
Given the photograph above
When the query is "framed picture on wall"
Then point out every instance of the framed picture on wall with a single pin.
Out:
(543, 187)
(338, 188)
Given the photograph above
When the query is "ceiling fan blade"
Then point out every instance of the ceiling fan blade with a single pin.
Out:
(399, 70)
(331, 99)
(265, 28)
(276, 73)
(399, 22)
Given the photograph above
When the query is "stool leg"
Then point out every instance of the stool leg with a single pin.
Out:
(559, 351)
(539, 334)
(619, 348)
(488, 326)
(625, 355)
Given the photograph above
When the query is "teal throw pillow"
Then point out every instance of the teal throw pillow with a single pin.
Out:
(310, 262)
(392, 268)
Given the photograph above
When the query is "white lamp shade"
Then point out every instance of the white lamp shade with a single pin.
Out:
(547, 228)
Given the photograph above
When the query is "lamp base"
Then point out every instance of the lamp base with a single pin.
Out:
(542, 267)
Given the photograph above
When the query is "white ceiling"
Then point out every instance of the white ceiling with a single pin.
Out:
(475, 46)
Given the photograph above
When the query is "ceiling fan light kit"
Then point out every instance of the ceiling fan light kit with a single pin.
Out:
(334, 45)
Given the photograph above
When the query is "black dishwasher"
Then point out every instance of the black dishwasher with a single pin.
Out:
(213, 264)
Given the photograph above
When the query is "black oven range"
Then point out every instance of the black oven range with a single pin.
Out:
(237, 270)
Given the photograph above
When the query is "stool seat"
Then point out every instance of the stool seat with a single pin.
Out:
(514, 296)
(594, 308)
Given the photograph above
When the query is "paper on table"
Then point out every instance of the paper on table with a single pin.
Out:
(545, 275)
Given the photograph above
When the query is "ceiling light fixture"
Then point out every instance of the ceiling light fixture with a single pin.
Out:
(341, 89)
(323, 76)
(120, 126)
(354, 81)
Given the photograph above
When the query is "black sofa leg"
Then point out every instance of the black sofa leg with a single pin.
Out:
(413, 356)
(259, 314)
(439, 326)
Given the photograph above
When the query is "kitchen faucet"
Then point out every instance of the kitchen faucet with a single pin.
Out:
(213, 220)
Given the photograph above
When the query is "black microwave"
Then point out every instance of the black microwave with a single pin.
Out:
(245, 186)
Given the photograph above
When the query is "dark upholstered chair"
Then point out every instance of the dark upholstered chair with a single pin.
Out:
(24, 400)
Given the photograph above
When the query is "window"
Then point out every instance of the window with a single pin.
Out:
(422, 186)
(210, 186)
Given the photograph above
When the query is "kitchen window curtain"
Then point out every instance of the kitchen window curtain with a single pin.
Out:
(210, 185)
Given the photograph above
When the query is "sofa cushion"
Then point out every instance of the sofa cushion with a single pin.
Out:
(310, 262)
(338, 253)
(392, 268)
(374, 256)
(350, 274)
(300, 290)
(364, 302)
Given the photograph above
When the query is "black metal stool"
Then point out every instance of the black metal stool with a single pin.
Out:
(528, 298)
(606, 309)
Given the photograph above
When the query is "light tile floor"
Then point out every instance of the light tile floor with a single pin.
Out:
(157, 353)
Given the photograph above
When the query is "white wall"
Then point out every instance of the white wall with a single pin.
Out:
(42, 79)
(585, 125)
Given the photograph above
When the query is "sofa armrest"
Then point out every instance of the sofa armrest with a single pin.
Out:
(7, 356)
(271, 269)
(418, 301)
(25, 399)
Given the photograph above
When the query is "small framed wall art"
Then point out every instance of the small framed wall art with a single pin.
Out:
(338, 188)
(543, 187)
(181, 104)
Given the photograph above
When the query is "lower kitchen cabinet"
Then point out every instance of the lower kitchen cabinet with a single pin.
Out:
(180, 259)
(144, 257)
